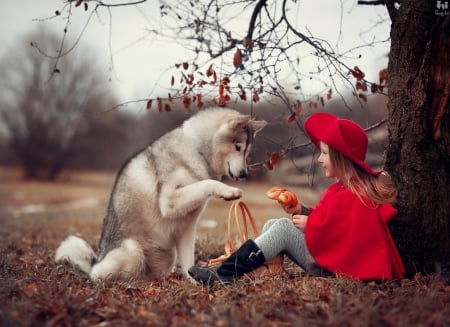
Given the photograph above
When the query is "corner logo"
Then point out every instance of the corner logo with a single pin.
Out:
(441, 8)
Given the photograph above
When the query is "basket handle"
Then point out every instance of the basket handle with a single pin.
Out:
(229, 247)
(246, 217)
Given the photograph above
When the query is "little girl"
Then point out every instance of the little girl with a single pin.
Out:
(346, 233)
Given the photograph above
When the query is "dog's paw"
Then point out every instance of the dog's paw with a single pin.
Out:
(231, 193)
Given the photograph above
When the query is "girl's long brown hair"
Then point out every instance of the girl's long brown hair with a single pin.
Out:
(379, 188)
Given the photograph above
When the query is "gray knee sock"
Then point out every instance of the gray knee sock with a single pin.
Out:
(280, 235)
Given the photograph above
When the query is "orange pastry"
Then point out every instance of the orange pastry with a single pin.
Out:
(282, 195)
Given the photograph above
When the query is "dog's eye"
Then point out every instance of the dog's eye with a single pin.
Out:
(237, 147)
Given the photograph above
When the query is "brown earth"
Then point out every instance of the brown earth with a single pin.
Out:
(36, 216)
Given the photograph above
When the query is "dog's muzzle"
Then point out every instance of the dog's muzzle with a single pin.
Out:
(243, 174)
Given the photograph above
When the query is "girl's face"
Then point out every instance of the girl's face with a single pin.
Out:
(325, 162)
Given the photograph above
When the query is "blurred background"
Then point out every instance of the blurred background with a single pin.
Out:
(60, 113)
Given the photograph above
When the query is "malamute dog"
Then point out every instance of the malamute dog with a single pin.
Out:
(160, 193)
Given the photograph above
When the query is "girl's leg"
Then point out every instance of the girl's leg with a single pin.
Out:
(280, 235)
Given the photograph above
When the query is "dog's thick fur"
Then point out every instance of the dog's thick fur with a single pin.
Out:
(159, 195)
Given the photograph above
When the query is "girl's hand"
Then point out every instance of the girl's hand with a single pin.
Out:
(299, 221)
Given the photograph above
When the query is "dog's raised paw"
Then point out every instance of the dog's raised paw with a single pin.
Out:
(231, 194)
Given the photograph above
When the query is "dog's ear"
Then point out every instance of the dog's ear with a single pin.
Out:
(257, 125)
(240, 122)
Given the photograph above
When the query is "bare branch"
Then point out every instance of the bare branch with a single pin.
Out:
(255, 14)
(290, 148)
(390, 5)
(372, 2)
(122, 4)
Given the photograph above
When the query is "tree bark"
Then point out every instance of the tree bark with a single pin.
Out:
(418, 154)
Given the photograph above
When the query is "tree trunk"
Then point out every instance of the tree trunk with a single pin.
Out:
(418, 155)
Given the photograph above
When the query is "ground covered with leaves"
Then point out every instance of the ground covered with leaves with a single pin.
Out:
(34, 291)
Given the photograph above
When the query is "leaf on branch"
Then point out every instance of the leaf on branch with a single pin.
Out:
(199, 101)
(374, 88)
(329, 94)
(242, 94)
(223, 98)
(189, 78)
(160, 104)
(237, 59)
(361, 86)
(383, 75)
(223, 87)
(255, 96)
(363, 97)
(185, 65)
(85, 6)
(273, 160)
(201, 83)
(172, 81)
(357, 73)
(209, 71)
(78, 2)
(291, 118)
(187, 101)
(149, 104)
(298, 108)
(249, 44)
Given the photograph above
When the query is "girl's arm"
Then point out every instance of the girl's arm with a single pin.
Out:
(305, 210)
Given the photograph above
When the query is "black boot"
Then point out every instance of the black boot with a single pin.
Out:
(247, 258)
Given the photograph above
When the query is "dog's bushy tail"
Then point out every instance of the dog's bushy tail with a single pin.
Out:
(77, 252)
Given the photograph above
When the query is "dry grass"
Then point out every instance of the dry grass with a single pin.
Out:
(34, 291)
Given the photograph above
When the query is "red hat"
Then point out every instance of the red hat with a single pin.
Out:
(342, 135)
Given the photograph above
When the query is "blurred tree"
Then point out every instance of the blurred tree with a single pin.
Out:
(42, 112)
(272, 49)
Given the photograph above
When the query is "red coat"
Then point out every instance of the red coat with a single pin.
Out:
(350, 238)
